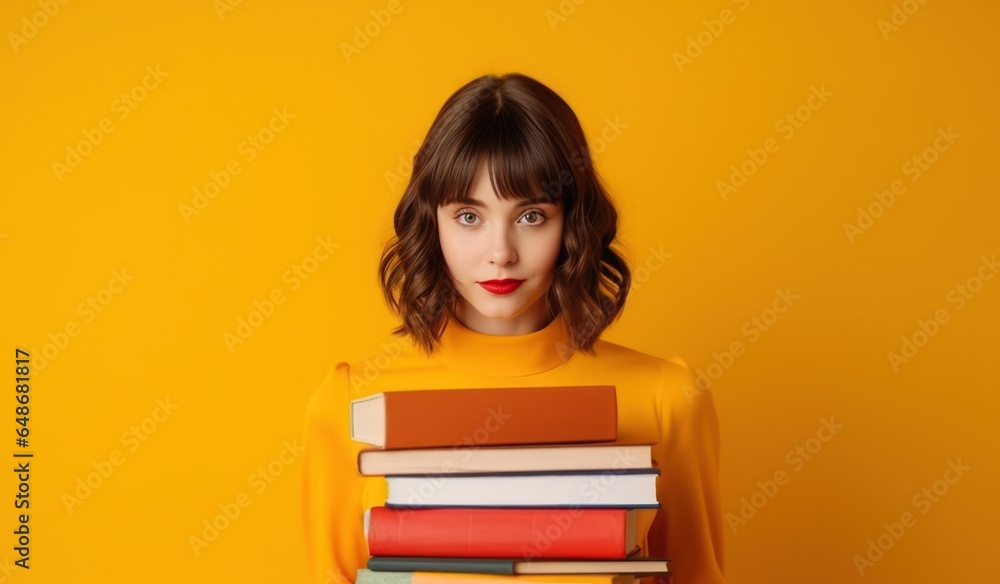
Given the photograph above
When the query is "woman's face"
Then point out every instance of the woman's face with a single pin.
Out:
(491, 239)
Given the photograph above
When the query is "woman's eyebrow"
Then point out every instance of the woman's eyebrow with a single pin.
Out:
(536, 201)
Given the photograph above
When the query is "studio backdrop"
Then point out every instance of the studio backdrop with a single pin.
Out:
(196, 194)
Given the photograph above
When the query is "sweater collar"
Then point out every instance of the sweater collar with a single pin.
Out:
(469, 351)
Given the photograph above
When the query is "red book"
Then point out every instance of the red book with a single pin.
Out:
(513, 532)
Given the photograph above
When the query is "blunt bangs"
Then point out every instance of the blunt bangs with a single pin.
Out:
(522, 159)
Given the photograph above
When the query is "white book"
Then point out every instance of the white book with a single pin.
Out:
(632, 488)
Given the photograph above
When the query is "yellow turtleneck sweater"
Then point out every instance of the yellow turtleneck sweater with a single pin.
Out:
(658, 401)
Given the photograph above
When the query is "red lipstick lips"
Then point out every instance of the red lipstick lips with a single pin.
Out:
(501, 286)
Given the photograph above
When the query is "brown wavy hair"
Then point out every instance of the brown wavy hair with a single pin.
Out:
(534, 147)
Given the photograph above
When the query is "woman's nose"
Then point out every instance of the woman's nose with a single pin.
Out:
(503, 250)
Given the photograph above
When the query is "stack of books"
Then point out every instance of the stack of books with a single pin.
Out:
(503, 484)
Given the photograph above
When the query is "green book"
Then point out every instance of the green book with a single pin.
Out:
(634, 565)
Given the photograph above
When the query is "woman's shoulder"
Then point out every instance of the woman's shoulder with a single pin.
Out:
(330, 395)
(678, 382)
(353, 375)
(674, 369)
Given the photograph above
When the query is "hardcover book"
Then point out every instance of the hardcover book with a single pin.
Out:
(486, 417)
(584, 533)
(635, 565)
(629, 487)
(501, 459)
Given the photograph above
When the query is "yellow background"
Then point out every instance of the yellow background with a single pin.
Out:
(665, 132)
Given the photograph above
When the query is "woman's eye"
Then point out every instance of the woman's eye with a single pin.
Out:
(470, 216)
(537, 217)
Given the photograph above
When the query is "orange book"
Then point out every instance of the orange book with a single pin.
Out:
(439, 418)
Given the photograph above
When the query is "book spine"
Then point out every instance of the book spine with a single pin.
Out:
(498, 533)
(530, 458)
(524, 490)
(400, 564)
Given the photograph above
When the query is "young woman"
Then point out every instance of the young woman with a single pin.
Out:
(503, 275)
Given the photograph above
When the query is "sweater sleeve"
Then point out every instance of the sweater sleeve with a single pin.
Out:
(688, 528)
(332, 491)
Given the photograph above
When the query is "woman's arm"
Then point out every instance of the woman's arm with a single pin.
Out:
(332, 491)
(688, 528)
